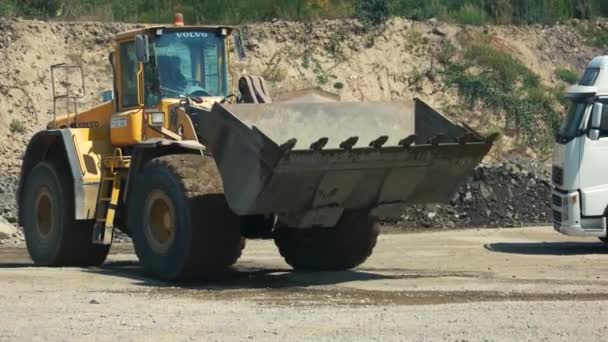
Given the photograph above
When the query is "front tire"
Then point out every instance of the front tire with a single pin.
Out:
(345, 246)
(181, 223)
(52, 235)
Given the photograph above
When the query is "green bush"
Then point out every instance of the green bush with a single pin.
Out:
(487, 76)
(470, 14)
(7, 8)
(418, 10)
(567, 76)
(17, 126)
(39, 8)
(372, 12)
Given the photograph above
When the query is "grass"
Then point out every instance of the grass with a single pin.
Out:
(566, 75)
(17, 126)
(470, 14)
(594, 35)
(487, 76)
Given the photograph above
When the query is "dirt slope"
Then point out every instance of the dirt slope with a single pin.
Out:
(335, 55)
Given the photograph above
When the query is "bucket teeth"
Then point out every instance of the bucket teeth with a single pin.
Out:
(438, 139)
(288, 145)
(467, 137)
(378, 143)
(349, 143)
(407, 142)
(319, 144)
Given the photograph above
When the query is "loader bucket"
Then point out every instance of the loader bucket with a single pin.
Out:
(298, 157)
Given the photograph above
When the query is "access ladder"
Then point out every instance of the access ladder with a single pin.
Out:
(114, 170)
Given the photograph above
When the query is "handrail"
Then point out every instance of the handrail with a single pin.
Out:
(67, 96)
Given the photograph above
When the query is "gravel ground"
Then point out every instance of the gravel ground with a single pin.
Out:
(169, 319)
(470, 285)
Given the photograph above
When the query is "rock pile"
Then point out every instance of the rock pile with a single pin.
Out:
(8, 206)
(512, 194)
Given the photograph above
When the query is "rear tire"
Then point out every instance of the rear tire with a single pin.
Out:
(52, 235)
(181, 223)
(604, 240)
(345, 246)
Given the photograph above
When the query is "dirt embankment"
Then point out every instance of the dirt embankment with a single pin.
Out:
(395, 63)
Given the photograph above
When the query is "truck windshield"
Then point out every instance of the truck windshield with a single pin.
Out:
(186, 63)
(572, 122)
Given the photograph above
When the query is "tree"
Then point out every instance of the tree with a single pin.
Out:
(584, 9)
(372, 12)
(39, 8)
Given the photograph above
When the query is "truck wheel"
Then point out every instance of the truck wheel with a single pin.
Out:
(604, 240)
(52, 235)
(181, 224)
(345, 246)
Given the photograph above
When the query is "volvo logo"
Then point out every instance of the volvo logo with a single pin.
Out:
(192, 34)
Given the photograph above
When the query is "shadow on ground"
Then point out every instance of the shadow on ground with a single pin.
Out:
(245, 275)
(255, 278)
(549, 248)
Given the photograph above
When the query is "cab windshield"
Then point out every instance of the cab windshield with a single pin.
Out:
(570, 126)
(185, 64)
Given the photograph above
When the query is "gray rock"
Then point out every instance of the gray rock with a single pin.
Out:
(7, 230)
(468, 196)
(485, 191)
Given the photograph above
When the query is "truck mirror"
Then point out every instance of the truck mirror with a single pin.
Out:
(141, 48)
(596, 115)
(596, 121)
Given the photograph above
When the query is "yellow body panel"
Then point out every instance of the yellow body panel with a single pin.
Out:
(91, 145)
(96, 117)
(127, 128)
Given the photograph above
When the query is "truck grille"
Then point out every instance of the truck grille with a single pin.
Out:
(557, 217)
(558, 175)
(557, 201)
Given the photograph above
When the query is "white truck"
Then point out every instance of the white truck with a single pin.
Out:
(580, 167)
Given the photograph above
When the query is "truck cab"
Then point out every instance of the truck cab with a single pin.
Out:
(580, 171)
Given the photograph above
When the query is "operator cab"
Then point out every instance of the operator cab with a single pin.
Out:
(171, 62)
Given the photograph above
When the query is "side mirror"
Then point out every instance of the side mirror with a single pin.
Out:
(596, 121)
(141, 48)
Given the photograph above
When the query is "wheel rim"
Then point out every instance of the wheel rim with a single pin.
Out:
(44, 212)
(159, 221)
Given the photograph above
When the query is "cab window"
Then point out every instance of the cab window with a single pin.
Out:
(129, 66)
(604, 124)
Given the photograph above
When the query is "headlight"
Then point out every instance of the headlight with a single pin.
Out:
(157, 118)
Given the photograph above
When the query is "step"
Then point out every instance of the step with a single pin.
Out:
(102, 235)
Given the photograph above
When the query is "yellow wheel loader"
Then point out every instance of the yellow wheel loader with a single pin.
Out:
(190, 163)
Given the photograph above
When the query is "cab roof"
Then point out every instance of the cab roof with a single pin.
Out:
(133, 33)
(594, 81)
(600, 62)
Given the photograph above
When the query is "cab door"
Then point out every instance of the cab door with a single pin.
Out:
(594, 170)
(126, 126)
